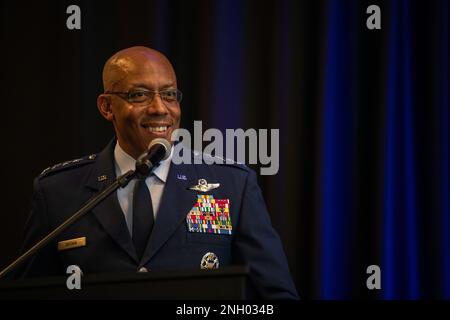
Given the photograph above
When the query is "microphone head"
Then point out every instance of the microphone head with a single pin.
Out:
(158, 150)
(161, 142)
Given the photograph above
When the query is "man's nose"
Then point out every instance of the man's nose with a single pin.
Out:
(157, 105)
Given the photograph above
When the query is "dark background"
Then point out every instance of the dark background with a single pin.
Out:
(363, 119)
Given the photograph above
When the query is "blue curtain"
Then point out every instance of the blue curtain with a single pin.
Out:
(403, 240)
(337, 145)
(400, 241)
(443, 104)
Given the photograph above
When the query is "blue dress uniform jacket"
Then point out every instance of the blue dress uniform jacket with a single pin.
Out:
(62, 190)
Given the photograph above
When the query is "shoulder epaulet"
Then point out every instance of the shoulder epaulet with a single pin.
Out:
(68, 164)
(220, 161)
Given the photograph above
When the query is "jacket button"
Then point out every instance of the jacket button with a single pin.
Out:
(142, 269)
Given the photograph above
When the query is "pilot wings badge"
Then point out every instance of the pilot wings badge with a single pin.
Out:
(204, 186)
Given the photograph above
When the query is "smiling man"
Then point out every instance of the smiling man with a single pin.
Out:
(132, 78)
(180, 217)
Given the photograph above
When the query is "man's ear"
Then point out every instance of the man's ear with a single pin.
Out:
(104, 106)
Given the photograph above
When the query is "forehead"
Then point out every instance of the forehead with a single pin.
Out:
(144, 70)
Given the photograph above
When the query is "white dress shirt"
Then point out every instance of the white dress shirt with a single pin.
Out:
(155, 183)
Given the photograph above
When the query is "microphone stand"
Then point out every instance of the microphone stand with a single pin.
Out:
(121, 181)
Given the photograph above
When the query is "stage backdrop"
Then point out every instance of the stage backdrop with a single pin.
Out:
(363, 119)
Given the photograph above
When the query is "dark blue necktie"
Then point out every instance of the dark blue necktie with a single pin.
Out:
(143, 219)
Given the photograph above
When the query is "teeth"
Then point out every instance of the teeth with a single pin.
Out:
(157, 129)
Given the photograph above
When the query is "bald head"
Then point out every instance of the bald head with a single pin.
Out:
(132, 61)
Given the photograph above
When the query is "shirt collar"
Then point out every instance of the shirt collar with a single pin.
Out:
(124, 162)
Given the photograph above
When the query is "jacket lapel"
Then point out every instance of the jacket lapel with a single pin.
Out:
(176, 202)
(109, 213)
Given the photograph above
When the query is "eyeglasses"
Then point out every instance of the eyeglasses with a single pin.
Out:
(145, 97)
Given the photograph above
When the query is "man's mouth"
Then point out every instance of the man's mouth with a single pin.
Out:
(156, 128)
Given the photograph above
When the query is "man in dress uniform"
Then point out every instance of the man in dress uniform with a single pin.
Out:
(181, 216)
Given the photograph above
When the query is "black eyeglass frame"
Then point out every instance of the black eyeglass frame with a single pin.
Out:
(150, 95)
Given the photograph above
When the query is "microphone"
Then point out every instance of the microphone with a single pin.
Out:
(158, 150)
